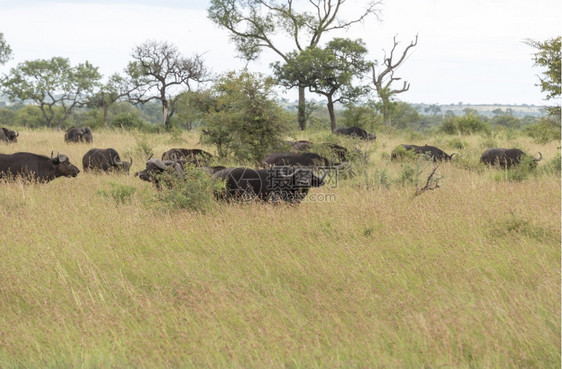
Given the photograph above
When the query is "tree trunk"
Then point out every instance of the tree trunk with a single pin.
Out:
(332, 113)
(302, 109)
(165, 114)
(105, 110)
(386, 112)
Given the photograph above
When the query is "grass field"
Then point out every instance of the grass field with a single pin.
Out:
(361, 275)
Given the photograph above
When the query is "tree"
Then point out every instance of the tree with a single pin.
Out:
(52, 84)
(327, 71)
(5, 50)
(241, 116)
(548, 57)
(160, 72)
(383, 80)
(254, 26)
(109, 93)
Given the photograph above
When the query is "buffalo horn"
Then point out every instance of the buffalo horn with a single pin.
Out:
(158, 164)
(131, 162)
(341, 165)
(539, 158)
(324, 174)
(51, 155)
(17, 133)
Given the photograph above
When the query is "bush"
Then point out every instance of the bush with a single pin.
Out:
(544, 131)
(243, 117)
(552, 166)
(145, 144)
(458, 144)
(132, 121)
(195, 191)
(121, 194)
(519, 172)
(408, 175)
(400, 153)
(466, 125)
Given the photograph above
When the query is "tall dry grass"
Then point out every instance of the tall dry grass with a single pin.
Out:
(466, 275)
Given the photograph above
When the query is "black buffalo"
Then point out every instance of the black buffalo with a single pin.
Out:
(7, 135)
(505, 157)
(355, 132)
(433, 152)
(280, 183)
(196, 157)
(106, 160)
(78, 134)
(302, 145)
(335, 151)
(161, 172)
(36, 167)
(305, 159)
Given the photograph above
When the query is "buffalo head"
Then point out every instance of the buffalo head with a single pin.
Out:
(63, 166)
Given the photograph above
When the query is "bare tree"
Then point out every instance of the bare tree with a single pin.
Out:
(255, 24)
(160, 72)
(384, 79)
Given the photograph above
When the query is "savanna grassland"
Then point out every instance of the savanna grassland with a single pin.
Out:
(95, 273)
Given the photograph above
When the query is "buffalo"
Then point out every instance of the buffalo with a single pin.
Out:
(505, 158)
(305, 159)
(433, 152)
(196, 157)
(160, 171)
(7, 135)
(105, 160)
(280, 183)
(78, 134)
(36, 167)
(302, 145)
(156, 169)
(355, 132)
(166, 171)
(332, 150)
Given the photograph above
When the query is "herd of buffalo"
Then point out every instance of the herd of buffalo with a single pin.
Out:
(286, 175)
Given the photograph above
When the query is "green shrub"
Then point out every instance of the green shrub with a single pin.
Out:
(458, 144)
(195, 191)
(243, 117)
(552, 166)
(145, 144)
(408, 175)
(470, 124)
(467, 124)
(519, 172)
(488, 143)
(132, 120)
(121, 194)
(449, 126)
(176, 135)
(400, 153)
(544, 131)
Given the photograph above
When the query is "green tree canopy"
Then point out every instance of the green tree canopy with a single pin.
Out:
(548, 57)
(241, 115)
(5, 50)
(327, 71)
(52, 83)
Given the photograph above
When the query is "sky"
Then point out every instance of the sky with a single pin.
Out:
(468, 51)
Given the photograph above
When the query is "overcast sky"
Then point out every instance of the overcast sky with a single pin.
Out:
(469, 51)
